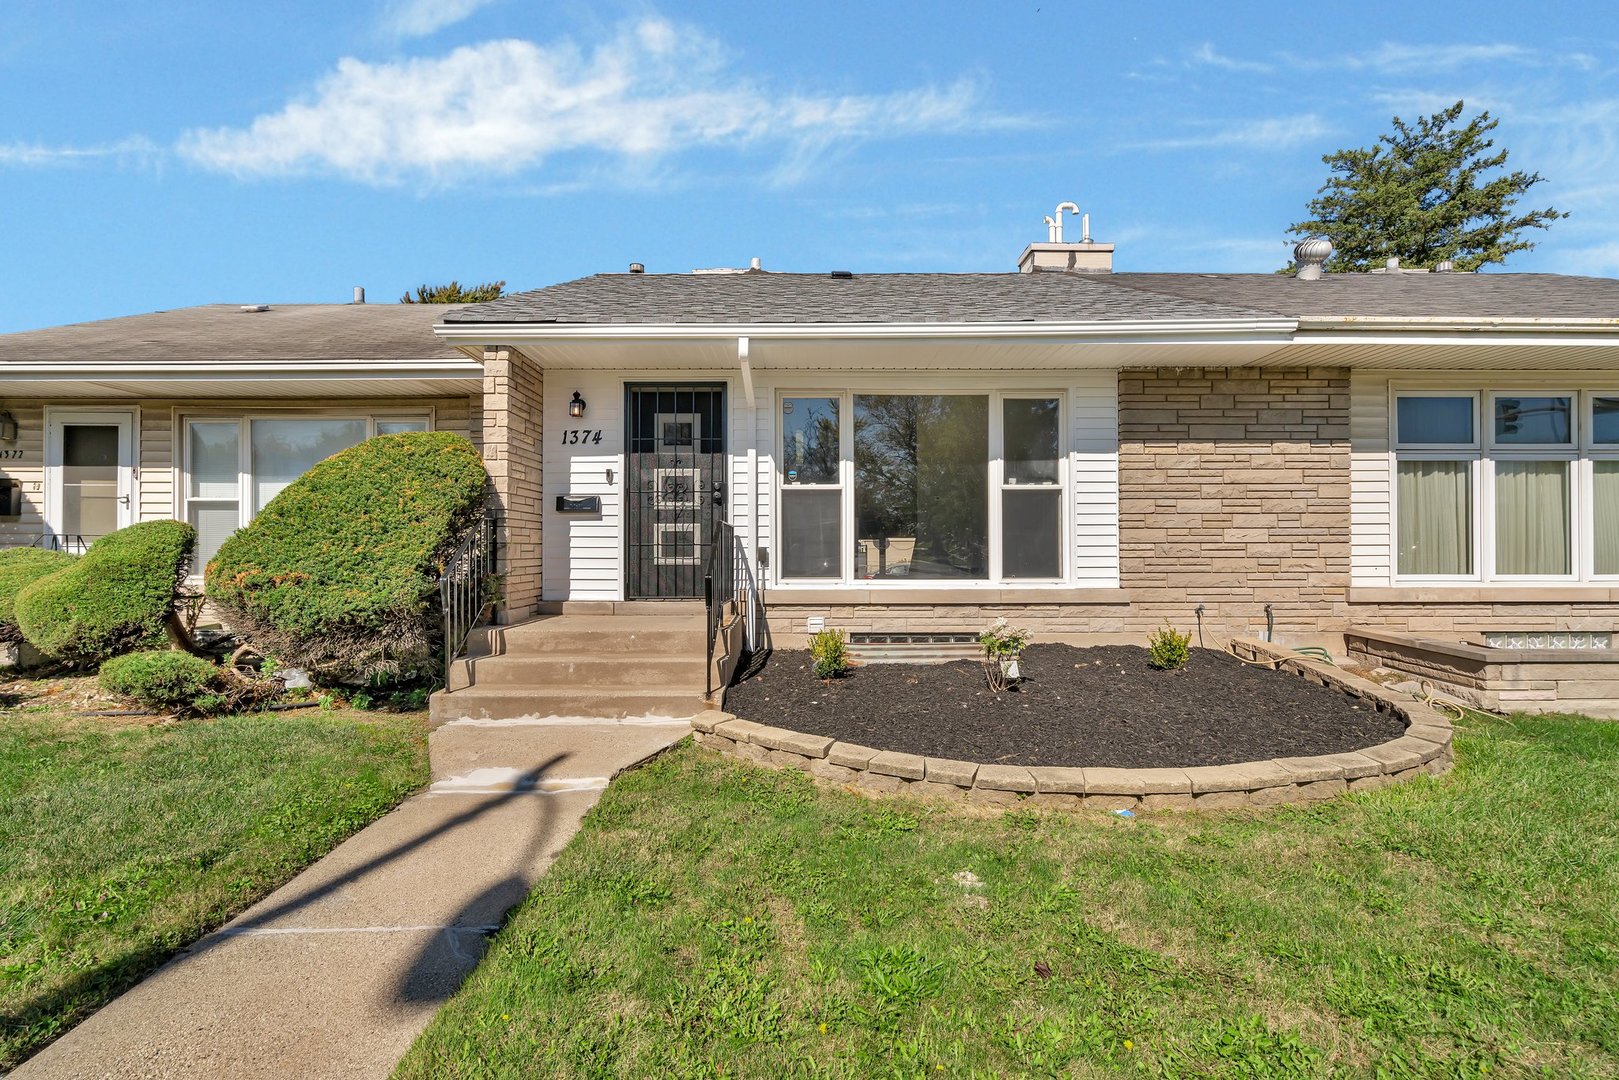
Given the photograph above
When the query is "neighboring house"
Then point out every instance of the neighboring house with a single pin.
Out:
(1085, 452)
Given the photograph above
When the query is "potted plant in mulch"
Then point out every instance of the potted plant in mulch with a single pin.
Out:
(1003, 646)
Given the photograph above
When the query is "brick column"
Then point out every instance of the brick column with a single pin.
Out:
(513, 390)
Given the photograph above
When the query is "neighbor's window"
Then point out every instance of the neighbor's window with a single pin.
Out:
(921, 485)
(1549, 463)
(234, 466)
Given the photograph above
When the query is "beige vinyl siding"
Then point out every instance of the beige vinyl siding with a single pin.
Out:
(29, 470)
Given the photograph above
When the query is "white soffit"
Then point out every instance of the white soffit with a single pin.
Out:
(1394, 352)
(209, 389)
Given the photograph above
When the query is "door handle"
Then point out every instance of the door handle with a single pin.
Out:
(124, 499)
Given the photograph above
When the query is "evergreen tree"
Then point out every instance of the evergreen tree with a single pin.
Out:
(1421, 193)
(453, 293)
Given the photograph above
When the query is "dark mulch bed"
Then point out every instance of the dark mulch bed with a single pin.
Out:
(1103, 706)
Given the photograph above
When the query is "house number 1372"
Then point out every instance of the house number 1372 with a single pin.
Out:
(575, 436)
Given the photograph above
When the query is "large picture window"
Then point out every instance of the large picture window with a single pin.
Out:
(896, 488)
(1498, 485)
(233, 466)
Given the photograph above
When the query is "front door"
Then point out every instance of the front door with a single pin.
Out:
(89, 475)
(676, 473)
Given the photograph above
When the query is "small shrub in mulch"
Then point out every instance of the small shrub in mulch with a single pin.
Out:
(1104, 706)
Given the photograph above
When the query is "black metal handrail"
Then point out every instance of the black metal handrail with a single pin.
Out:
(467, 588)
(727, 579)
(73, 543)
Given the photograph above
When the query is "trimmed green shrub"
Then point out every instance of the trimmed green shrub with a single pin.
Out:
(338, 574)
(830, 651)
(20, 567)
(116, 598)
(163, 679)
(1168, 648)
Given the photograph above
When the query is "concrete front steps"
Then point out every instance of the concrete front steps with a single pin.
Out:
(609, 666)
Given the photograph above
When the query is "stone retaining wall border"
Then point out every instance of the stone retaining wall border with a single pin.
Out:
(1425, 749)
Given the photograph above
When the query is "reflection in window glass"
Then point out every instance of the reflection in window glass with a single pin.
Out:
(283, 450)
(811, 527)
(921, 486)
(1434, 420)
(1531, 517)
(1605, 421)
(214, 460)
(809, 440)
(1032, 439)
(1031, 534)
(394, 427)
(1539, 420)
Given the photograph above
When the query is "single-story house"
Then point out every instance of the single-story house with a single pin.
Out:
(1384, 459)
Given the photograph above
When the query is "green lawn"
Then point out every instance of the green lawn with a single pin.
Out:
(715, 918)
(121, 843)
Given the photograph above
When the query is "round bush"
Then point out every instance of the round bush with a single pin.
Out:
(339, 573)
(160, 679)
(19, 567)
(114, 599)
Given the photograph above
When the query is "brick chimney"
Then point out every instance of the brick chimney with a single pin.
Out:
(1085, 257)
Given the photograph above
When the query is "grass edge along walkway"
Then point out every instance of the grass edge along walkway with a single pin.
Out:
(717, 918)
(122, 843)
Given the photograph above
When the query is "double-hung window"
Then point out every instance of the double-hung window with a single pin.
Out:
(905, 487)
(1506, 486)
(232, 466)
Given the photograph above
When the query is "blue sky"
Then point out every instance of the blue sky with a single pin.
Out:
(166, 154)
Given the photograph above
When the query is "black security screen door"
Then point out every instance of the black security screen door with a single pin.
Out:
(677, 492)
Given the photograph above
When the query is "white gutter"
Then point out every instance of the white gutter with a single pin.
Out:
(1512, 324)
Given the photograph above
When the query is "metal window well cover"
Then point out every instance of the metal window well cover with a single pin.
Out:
(871, 647)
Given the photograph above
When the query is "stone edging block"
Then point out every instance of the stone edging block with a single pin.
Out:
(1424, 749)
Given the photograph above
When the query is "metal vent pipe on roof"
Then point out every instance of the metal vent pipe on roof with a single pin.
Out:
(1309, 256)
(637, 268)
(359, 294)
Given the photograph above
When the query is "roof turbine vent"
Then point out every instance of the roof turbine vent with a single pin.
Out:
(1309, 255)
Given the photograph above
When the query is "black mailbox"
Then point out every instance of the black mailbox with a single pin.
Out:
(579, 504)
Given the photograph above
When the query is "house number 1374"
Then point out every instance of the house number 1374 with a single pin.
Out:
(575, 436)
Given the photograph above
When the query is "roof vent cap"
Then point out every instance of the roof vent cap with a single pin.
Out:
(637, 268)
(1444, 266)
(255, 307)
(1309, 255)
(843, 273)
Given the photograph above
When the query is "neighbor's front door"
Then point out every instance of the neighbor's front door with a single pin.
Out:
(89, 475)
(676, 472)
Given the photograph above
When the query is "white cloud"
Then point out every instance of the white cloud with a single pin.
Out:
(1394, 58)
(505, 106)
(135, 150)
(418, 18)
(1207, 54)
(1275, 133)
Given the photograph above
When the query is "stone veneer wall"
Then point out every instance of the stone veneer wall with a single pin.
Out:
(513, 388)
(1234, 493)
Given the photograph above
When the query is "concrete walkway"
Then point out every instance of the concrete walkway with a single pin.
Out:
(335, 973)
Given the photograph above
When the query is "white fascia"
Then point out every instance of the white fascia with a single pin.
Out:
(1407, 327)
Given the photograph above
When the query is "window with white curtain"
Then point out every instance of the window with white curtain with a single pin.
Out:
(1502, 485)
(233, 466)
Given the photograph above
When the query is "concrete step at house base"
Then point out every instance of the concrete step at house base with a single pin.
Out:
(518, 702)
(588, 671)
(602, 635)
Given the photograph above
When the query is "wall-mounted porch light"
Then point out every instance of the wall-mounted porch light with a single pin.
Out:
(8, 427)
(576, 407)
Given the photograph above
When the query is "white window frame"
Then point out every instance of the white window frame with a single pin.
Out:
(1581, 453)
(244, 447)
(995, 475)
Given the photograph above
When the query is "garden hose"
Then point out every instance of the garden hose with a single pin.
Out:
(1313, 654)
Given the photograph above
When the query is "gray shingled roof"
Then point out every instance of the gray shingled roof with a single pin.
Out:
(1462, 296)
(225, 332)
(757, 297)
(1043, 297)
